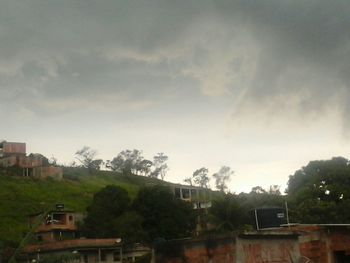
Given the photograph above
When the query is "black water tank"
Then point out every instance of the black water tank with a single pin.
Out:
(268, 217)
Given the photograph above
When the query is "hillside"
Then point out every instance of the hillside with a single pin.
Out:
(22, 196)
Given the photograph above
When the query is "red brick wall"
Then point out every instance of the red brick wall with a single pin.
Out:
(340, 241)
(267, 249)
(214, 250)
(220, 254)
(14, 147)
(29, 162)
(316, 250)
(8, 161)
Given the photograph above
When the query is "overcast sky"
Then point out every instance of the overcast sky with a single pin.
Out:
(260, 86)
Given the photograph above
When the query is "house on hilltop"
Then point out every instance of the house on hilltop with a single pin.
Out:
(55, 233)
(13, 154)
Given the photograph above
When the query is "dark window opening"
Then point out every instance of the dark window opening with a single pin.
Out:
(177, 193)
(341, 257)
(185, 193)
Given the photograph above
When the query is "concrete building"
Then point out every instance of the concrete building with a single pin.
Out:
(13, 154)
(200, 197)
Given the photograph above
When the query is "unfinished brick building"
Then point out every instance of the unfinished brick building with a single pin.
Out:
(294, 244)
(56, 233)
(13, 154)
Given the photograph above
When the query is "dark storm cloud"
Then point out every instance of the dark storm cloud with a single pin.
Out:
(304, 49)
(259, 53)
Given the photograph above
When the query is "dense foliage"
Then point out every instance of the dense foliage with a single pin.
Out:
(164, 215)
(320, 192)
(155, 213)
(107, 206)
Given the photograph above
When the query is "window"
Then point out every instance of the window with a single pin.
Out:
(193, 193)
(177, 193)
(39, 238)
(185, 193)
(86, 259)
(70, 218)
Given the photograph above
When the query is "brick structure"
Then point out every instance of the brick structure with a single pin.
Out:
(301, 243)
(55, 233)
(215, 249)
(56, 226)
(12, 148)
(89, 250)
(13, 154)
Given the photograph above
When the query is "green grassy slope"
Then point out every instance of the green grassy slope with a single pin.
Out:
(22, 196)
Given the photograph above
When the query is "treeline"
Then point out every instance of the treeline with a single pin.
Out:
(318, 193)
(132, 162)
(154, 214)
(126, 162)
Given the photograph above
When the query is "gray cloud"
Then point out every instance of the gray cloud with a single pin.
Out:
(164, 75)
(142, 52)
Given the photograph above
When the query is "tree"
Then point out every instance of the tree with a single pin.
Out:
(161, 168)
(275, 189)
(258, 190)
(188, 180)
(227, 213)
(53, 161)
(87, 157)
(108, 204)
(164, 215)
(200, 177)
(222, 177)
(128, 226)
(320, 192)
(129, 161)
(145, 167)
